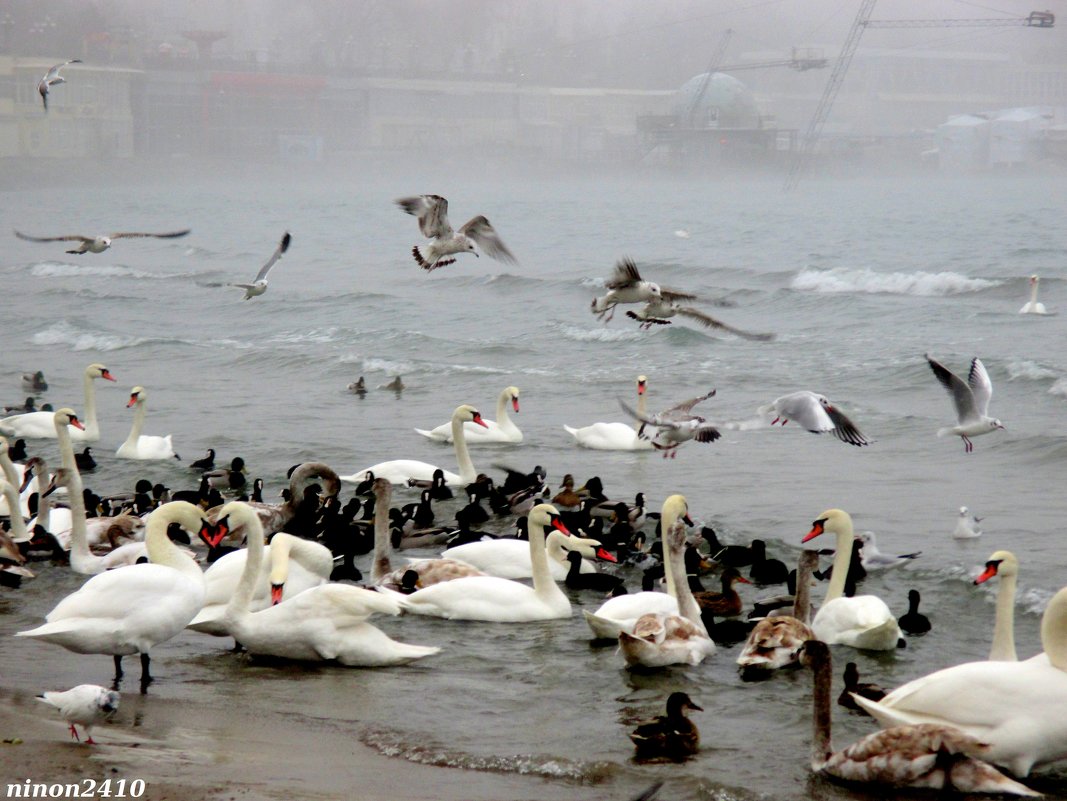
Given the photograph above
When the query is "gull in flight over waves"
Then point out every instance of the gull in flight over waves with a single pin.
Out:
(971, 399)
(627, 286)
(656, 312)
(676, 425)
(98, 244)
(432, 212)
(259, 285)
(51, 78)
(813, 412)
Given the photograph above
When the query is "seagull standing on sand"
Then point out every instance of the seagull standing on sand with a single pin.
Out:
(87, 704)
(814, 412)
(971, 399)
(51, 78)
(676, 425)
(432, 212)
(967, 525)
(259, 285)
(98, 244)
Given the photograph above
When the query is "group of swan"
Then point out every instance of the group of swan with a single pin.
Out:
(40, 425)
(503, 429)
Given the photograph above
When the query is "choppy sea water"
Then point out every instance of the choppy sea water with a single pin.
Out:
(858, 280)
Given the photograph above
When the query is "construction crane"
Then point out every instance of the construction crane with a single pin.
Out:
(1036, 19)
(713, 66)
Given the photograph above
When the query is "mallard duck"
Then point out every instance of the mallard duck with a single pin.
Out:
(726, 603)
(672, 735)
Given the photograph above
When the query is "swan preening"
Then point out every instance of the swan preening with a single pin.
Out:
(143, 446)
(1033, 306)
(130, 609)
(503, 429)
(41, 425)
(928, 755)
(1016, 708)
(398, 471)
(863, 621)
(616, 436)
(323, 623)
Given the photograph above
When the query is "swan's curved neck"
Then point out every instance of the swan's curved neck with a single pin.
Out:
(642, 409)
(1054, 630)
(544, 585)
(802, 597)
(677, 583)
(79, 535)
(66, 448)
(18, 525)
(138, 424)
(842, 560)
(161, 550)
(1033, 293)
(92, 428)
(5, 464)
(821, 744)
(1003, 649)
(44, 502)
(281, 548)
(237, 608)
(463, 456)
(382, 546)
(502, 418)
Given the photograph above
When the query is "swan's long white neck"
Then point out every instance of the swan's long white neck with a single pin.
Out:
(161, 551)
(244, 518)
(283, 547)
(382, 545)
(642, 409)
(44, 502)
(558, 544)
(18, 525)
(1054, 630)
(138, 423)
(502, 402)
(842, 560)
(1033, 293)
(544, 585)
(463, 456)
(677, 582)
(80, 558)
(1003, 648)
(92, 428)
(5, 464)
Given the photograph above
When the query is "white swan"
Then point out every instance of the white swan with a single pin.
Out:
(616, 436)
(500, 600)
(926, 755)
(500, 430)
(660, 639)
(430, 571)
(398, 471)
(130, 609)
(328, 622)
(1015, 707)
(295, 565)
(13, 474)
(18, 525)
(39, 425)
(863, 621)
(510, 558)
(775, 642)
(1033, 306)
(1006, 566)
(143, 446)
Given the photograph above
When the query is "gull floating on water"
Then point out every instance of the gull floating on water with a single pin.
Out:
(259, 285)
(971, 399)
(98, 244)
(873, 559)
(1033, 306)
(627, 286)
(432, 212)
(87, 704)
(814, 412)
(967, 525)
(51, 78)
(676, 425)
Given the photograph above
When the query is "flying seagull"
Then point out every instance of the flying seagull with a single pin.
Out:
(51, 78)
(627, 286)
(98, 244)
(656, 312)
(971, 399)
(814, 412)
(432, 211)
(259, 286)
(676, 425)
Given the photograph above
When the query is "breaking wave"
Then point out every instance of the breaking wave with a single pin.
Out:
(841, 279)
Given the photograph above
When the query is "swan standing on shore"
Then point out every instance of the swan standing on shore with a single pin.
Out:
(40, 425)
(328, 622)
(500, 430)
(130, 609)
(144, 446)
(398, 471)
(616, 436)
(1033, 306)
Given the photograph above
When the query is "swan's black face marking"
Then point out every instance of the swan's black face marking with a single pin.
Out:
(276, 593)
(133, 399)
(817, 528)
(477, 418)
(212, 535)
(557, 524)
(991, 568)
(106, 374)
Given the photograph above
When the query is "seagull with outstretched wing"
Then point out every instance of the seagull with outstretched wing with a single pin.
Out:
(51, 78)
(971, 399)
(432, 213)
(98, 244)
(259, 284)
(676, 425)
(657, 312)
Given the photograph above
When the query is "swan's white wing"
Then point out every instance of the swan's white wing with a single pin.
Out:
(278, 251)
(485, 236)
(432, 212)
(981, 386)
(962, 396)
(708, 321)
(137, 235)
(68, 238)
(625, 275)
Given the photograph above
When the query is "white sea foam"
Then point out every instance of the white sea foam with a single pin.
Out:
(1059, 388)
(316, 335)
(842, 279)
(601, 334)
(63, 333)
(1030, 371)
(56, 270)
(373, 365)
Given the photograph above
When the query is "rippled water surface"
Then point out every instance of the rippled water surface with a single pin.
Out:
(858, 281)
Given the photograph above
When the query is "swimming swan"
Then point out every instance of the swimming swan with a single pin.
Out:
(500, 430)
(143, 446)
(616, 436)
(40, 425)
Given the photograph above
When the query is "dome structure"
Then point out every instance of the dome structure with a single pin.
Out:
(721, 102)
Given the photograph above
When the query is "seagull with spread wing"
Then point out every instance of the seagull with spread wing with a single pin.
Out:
(627, 286)
(676, 425)
(98, 244)
(432, 212)
(656, 312)
(971, 399)
(814, 412)
(51, 78)
(259, 285)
